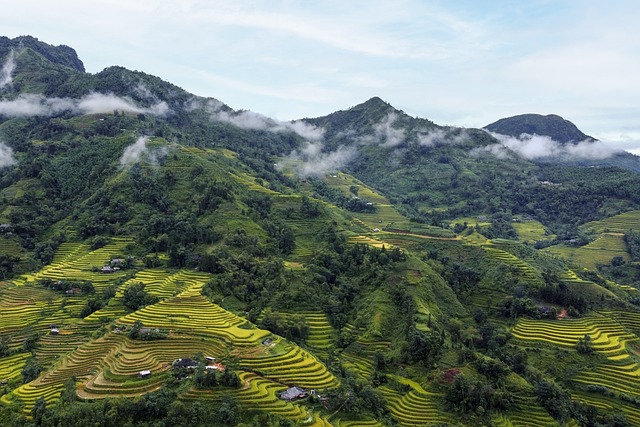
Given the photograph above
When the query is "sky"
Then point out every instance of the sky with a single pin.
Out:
(463, 63)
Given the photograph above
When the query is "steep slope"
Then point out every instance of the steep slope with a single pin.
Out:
(60, 55)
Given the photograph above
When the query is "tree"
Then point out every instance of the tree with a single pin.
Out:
(425, 348)
(4, 347)
(309, 208)
(68, 394)
(30, 370)
(554, 399)
(227, 411)
(617, 261)
(584, 345)
(8, 264)
(136, 297)
(31, 342)
(39, 411)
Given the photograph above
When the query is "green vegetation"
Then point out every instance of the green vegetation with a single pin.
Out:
(426, 283)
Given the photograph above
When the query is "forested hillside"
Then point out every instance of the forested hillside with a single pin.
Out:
(169, 261)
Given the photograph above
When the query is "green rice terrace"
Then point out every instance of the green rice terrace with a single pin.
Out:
(98, 354)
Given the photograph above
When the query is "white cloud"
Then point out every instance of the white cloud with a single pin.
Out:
(99, 103)
(384, 133)
(442, 137)
(38, 105)
(535, 147)
(6, 73)
(133, 152)
(257, 121)
(6, 156)
(312, 161)
(434, 137)
(496, 150)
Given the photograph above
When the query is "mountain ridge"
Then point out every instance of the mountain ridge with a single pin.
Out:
(551, 125)
(62, 54)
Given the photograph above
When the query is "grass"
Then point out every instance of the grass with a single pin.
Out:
(531, 231)
(619, 223)
(600, 251)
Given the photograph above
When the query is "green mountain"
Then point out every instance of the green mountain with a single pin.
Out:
(167, 261)
(551, 125)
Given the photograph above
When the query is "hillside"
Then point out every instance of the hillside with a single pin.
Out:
(551, 125)
(169, 261)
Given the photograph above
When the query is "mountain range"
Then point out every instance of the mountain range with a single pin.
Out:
(361, 268)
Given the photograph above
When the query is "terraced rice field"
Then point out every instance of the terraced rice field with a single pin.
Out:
(321, 333)
(600, 251)
(293, 366)
(416, 407)
(607, 335)
(526, 413)
(75, 261)
(531, 231)
(27, 310)
(525, 269)
(11, 366)
(368, 241)
(9, 246)
(191, 312)
(608, 404)
(618, 224)
(359, 355)
(337, 422)
(385, 213)
(620, 371)
(258, 394)
(629, 319)
(165, 284)
(109, 365)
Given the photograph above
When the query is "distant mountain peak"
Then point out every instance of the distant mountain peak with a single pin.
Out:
(551, 125)
(61, 55)
(375, 102)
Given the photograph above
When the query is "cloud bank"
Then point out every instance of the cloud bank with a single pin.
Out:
(255, 121)
(6, 73)
(38, 105)
(535, 147)
(6, 156)
(384, 133)
(135, 152)
(442, 137)
(312, 161)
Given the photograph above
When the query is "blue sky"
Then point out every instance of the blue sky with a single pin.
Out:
(465, 63)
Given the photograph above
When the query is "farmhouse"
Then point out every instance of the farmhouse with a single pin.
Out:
(109, 269)
(185, 363)
(216, 367)
(144, 374)
(293, 393)
(54, 331)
